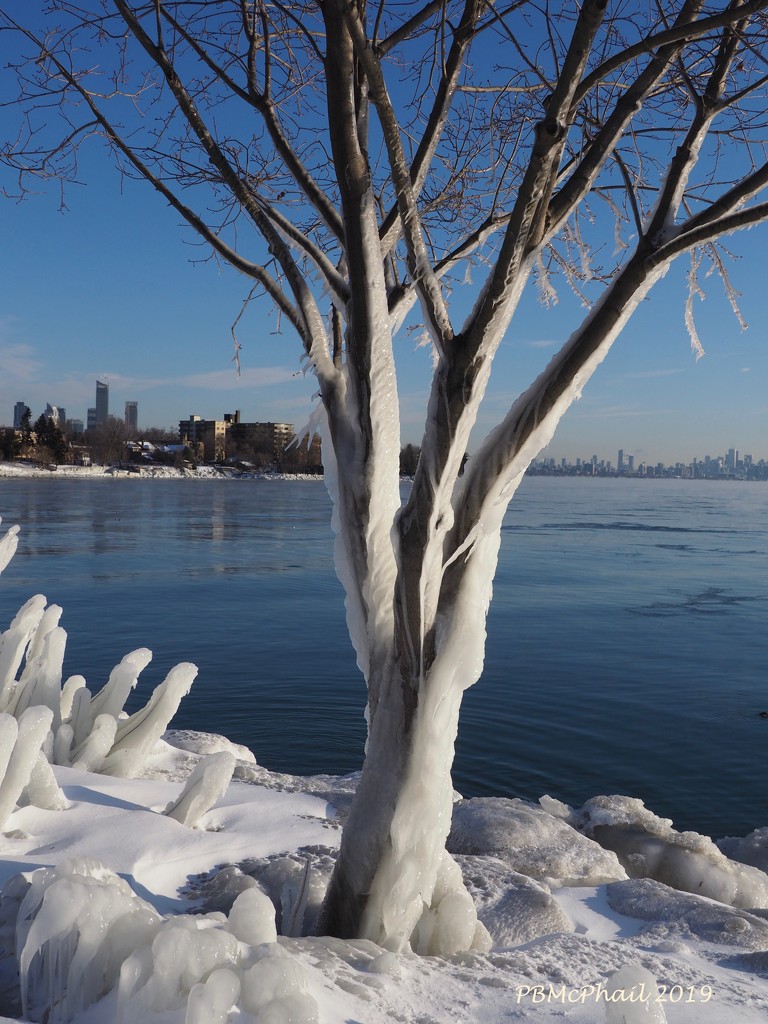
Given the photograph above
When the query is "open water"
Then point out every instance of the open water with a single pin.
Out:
(627, 648)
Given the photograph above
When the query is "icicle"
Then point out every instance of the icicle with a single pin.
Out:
(49, 621)
(68, 690)
(81, 720)
(62, 744)
(9, 730)
(693, 291)
(547, 293)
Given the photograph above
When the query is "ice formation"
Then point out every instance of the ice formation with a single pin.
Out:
(208, 782)
(532, 841)
(21, 747)
(83, 935)
(633, 997)
(83, 731)
(648, 847)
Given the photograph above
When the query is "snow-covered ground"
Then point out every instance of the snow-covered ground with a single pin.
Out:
(555, 946)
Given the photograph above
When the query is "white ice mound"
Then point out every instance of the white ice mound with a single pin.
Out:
(449, 924)
(207, 743)
(530, 840)
(207, 783)
(751, 849)
(83, 937)
(515, 908)
(75, 927)
(633, 997)
(674, 915)
(649, 847)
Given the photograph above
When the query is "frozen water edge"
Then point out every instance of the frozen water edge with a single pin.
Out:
(682, 940)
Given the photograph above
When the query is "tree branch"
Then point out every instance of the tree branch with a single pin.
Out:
(420, 266)
(314, 334)
(680, 32)
(261, 103)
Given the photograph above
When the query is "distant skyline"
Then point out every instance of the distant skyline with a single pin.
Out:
(110, 289)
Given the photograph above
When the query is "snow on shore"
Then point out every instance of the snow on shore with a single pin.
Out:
(20, 471)
(556, 946)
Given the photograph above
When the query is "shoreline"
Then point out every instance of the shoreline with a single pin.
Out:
(14, 471)
(17, 471)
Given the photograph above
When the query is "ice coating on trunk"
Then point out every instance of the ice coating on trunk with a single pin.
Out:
(137, 735)
(207, 783)
(409, 866)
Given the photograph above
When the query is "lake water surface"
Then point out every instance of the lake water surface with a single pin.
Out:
(627, 648)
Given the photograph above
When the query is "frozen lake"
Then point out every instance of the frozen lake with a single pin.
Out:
(627, 648)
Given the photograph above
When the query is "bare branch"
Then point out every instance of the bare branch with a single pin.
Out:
(421, 269)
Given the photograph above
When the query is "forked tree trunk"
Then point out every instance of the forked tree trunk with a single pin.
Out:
(393, 873)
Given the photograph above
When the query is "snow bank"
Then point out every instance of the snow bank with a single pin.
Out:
(678, 916)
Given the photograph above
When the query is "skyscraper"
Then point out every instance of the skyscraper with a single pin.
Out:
(18, 414)
(102, 402)
(132, 415)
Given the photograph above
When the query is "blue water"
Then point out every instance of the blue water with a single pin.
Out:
(627, 648)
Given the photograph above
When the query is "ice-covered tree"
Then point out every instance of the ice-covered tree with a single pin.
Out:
(352, 160)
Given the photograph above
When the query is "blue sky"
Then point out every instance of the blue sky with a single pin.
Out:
(110, 288)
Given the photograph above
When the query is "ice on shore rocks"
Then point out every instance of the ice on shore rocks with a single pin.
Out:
(83, 935)
(751, 849)
(530, 840)
(649, 847)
